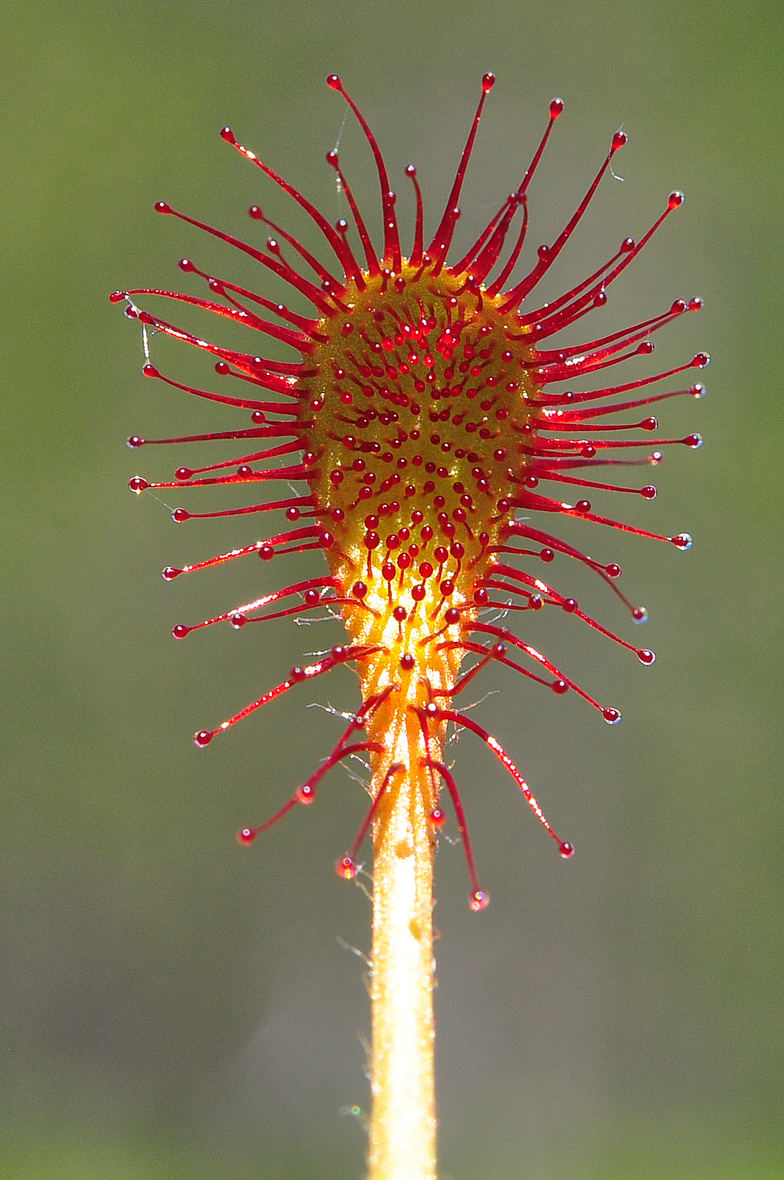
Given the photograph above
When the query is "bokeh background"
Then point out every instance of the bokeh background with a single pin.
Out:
(173, 1005)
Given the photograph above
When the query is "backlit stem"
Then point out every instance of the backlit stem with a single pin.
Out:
(405, 790)
(403, 1121)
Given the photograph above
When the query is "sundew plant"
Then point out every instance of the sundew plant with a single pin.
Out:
(421, 436)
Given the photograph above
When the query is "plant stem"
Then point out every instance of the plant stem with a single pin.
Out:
(405, 787)
(403, 1121)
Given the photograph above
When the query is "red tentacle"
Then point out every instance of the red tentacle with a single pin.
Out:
(297, 676)
(478, 900)
(443, 236)
(392, 255)
(277, 267)
(257, 214)
(419, 223)
(564, 847)
(347, 260)
(370, 254)
(548, 254)
(347, 865)
(181, 630)
(294, 504)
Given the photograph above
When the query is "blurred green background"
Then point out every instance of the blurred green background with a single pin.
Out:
(172, 1005)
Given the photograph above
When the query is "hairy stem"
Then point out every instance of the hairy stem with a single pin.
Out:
(407, 744)
(403, 1121)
